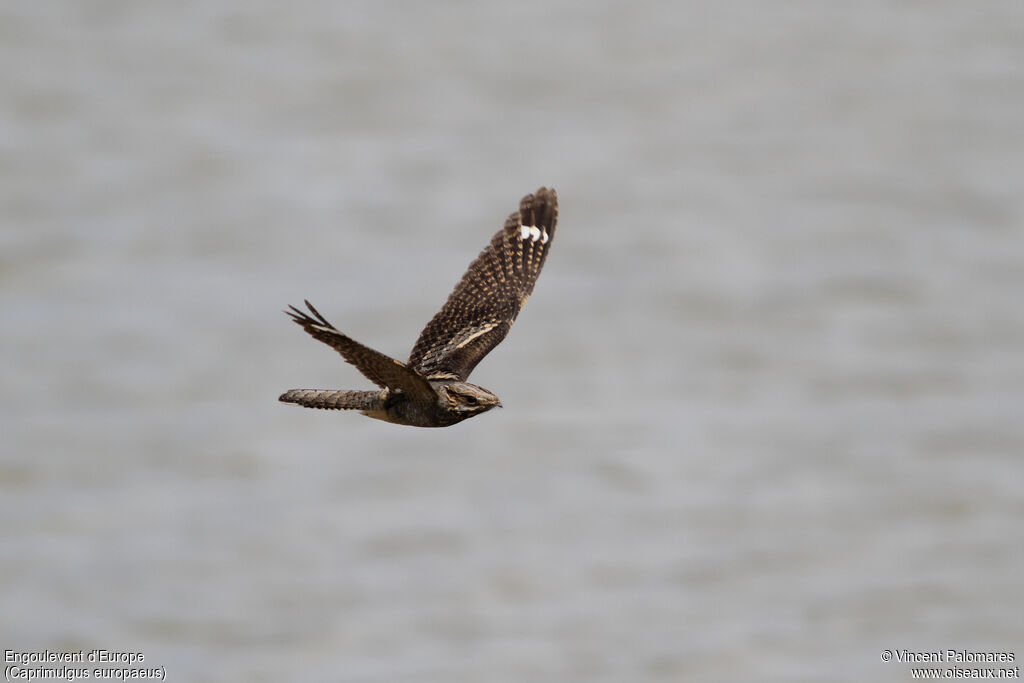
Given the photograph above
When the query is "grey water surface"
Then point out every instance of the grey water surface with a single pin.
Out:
(764, 414)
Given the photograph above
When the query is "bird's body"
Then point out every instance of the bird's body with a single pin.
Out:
(431, 389)
(399, 407)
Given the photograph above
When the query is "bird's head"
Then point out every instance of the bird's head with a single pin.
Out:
(466, 400)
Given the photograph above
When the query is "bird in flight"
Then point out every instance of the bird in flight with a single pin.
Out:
(431, 390)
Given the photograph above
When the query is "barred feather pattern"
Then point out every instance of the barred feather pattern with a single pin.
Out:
(486, 301)
(328, 399)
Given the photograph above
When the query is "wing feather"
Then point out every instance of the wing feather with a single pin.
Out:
(380, 369)
(484, 304)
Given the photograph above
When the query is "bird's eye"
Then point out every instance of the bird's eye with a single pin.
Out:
(471, 400)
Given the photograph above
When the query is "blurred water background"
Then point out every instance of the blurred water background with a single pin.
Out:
(763, 412)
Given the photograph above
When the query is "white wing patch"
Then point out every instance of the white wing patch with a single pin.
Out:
(532, 232)
(483, 330)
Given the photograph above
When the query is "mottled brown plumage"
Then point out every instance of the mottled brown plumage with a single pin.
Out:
(431, 390)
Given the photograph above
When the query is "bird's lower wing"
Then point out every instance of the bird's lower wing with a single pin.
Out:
(380, 369)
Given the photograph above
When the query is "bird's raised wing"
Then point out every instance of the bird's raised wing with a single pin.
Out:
(382, 370)
(485, 303)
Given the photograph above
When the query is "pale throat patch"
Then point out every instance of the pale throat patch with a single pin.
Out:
(531, 232)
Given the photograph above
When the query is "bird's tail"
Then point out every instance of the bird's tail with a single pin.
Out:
(329, 399)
